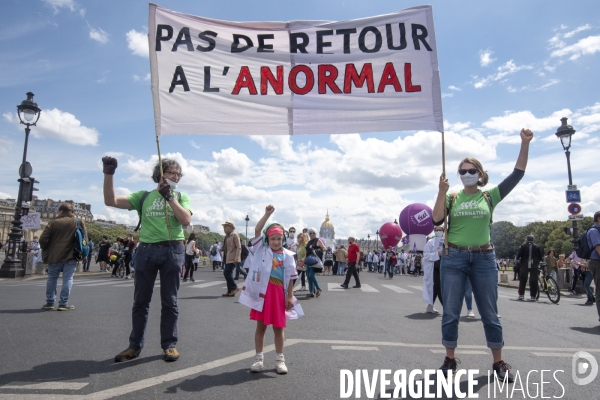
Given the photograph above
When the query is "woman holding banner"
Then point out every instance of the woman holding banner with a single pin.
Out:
(471, 255)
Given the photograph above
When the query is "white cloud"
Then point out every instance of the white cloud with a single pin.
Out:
(447, 95)
(533, 88)
(451, 87)
(195, 145)
(5, 195)
(513, 122)
(70, 5)
(504, 70)
(581, 28)
(138, 43)
(485, 57)
(585, 46)
(99, 35)
(61, 125)
(138, 78)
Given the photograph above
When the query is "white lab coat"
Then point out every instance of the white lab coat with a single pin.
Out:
(430, 255)
(216, 257)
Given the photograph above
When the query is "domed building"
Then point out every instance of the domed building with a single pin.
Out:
(327, 231)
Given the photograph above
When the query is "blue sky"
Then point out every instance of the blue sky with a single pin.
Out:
(503, 66)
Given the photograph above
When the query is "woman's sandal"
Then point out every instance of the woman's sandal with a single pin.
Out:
(318, 293)
(310, 295)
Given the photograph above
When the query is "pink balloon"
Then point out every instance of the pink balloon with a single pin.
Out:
(390, 234)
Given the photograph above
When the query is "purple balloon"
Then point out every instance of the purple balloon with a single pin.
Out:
(416, 219)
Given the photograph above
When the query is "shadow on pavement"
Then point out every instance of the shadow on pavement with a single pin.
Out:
(71, 370)
(419, 387)
(203, 382)
(26, 311)
(591, 331)
(200, 298)
(423, 316)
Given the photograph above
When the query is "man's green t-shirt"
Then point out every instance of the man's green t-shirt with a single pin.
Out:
(470, 218)
(154, 225)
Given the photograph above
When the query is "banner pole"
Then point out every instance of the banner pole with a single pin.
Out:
(161, 178)
(445, 209)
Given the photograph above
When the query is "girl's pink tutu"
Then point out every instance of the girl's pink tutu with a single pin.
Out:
(273, 312)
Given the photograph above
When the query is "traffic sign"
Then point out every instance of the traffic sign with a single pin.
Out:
(573, 196)
(577, 217)
(25, 170)
(574, 208)
(571, 187)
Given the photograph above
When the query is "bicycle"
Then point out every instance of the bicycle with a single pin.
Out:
(547, 284)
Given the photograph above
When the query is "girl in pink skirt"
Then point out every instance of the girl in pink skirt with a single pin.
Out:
(268, 289)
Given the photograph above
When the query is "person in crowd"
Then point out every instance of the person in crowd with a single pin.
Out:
(392, 264)
(269, 298)
(515, 269)
(418, 264)
(328, 264)
(313, 246)
(160, 251)
(401, 263)
(116, 254)
(128, 249)
(471, 254)
(335, 263)
(388, 261)
(530, 256)
(104, 253)
(431, 269)
(300, 256)
(370, 261)
(57, 246)
(341, 256)
(291, 241)
(593, 238)
(239, 270)
(190, 253)
(232, 255)
(551, 264)
(196, 259)
(35, 250)
(575, 269)
(587, 277)
(375, 262)
(353, 257)
(86, 265)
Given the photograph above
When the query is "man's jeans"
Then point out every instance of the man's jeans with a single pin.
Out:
(587, 282)
(341, 267)
(239, 270)
(313, 284)
(389, 269)
(86, 264)
(54, 270)
(150, 261)
(228, 273)
(351, 272)
(480, 268)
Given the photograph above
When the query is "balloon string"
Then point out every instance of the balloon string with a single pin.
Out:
(445, 209)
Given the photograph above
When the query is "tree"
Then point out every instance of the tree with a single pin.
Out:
(95, 232)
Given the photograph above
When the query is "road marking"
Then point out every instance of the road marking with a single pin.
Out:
(368, 288)
(334, 287)
(207, 284)
(126, 285)
(354, 348)
(461, 352)
(539, 354)
(99, 284)
(417, 287)
(396, 289)
(49, 386)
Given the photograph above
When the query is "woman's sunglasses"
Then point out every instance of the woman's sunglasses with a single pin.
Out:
(471, 171)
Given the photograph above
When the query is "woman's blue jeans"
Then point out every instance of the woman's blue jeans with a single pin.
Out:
(313, 285)
(587, 282)
(458, 267)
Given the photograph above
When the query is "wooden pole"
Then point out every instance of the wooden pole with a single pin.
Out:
(445, 209)
(161, 178)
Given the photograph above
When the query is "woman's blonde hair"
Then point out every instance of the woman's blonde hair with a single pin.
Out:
(484, 176)
(302, 239)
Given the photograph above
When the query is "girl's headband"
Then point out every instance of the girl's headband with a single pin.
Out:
(268, 231)
(274, 230)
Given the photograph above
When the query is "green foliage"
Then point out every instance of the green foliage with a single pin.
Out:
(548, 235)
(205, 240)
(95, 232)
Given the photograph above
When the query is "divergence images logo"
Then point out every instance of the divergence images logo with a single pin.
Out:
(421, 216)
(581, 363)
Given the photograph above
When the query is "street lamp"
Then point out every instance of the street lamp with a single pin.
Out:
(29, 114)
(564, 133)
(377, 242)
(369, 241)
(247, 219)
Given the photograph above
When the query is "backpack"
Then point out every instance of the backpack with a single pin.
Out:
(245, 252)
(486, 196)
(144, 196)
(418, 261)
(583, 249)
(213, 251)
(81, 248)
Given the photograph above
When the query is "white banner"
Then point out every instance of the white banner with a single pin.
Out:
(31, 221)
(299, 77)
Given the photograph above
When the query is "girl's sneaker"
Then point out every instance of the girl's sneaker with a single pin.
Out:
(258, 364)
(280, 367)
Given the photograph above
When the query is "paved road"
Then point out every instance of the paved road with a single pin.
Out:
(70, 355)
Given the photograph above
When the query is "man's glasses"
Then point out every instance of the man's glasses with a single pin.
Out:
(312, 233)
(471, 171)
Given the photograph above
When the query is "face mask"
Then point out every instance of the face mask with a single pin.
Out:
(172, 184)
(439, 233)
(469, 180)
(291, 235)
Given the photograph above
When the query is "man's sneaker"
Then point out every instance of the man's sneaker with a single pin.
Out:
(66, 307)
(303, 289)
(128, 277)
(192, 279)
(344, 286)
(589, 302)
(356, 287)
(127, 355)
(171, 354)
(533, 298)
(280, 367)
(521, 297)
(502, 370)
(431, 310)
(470, 314)
(48, 306)
(258, 364)
(449, 365)
(185, 280)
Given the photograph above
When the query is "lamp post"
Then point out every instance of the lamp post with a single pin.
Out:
(29, 114)
(377, 242)
(247, 219)
(369, 241)
(564, 133)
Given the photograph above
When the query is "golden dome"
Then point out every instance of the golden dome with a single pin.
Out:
(327, 223)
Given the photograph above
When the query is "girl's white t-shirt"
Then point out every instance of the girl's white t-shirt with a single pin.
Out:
(189, 248)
